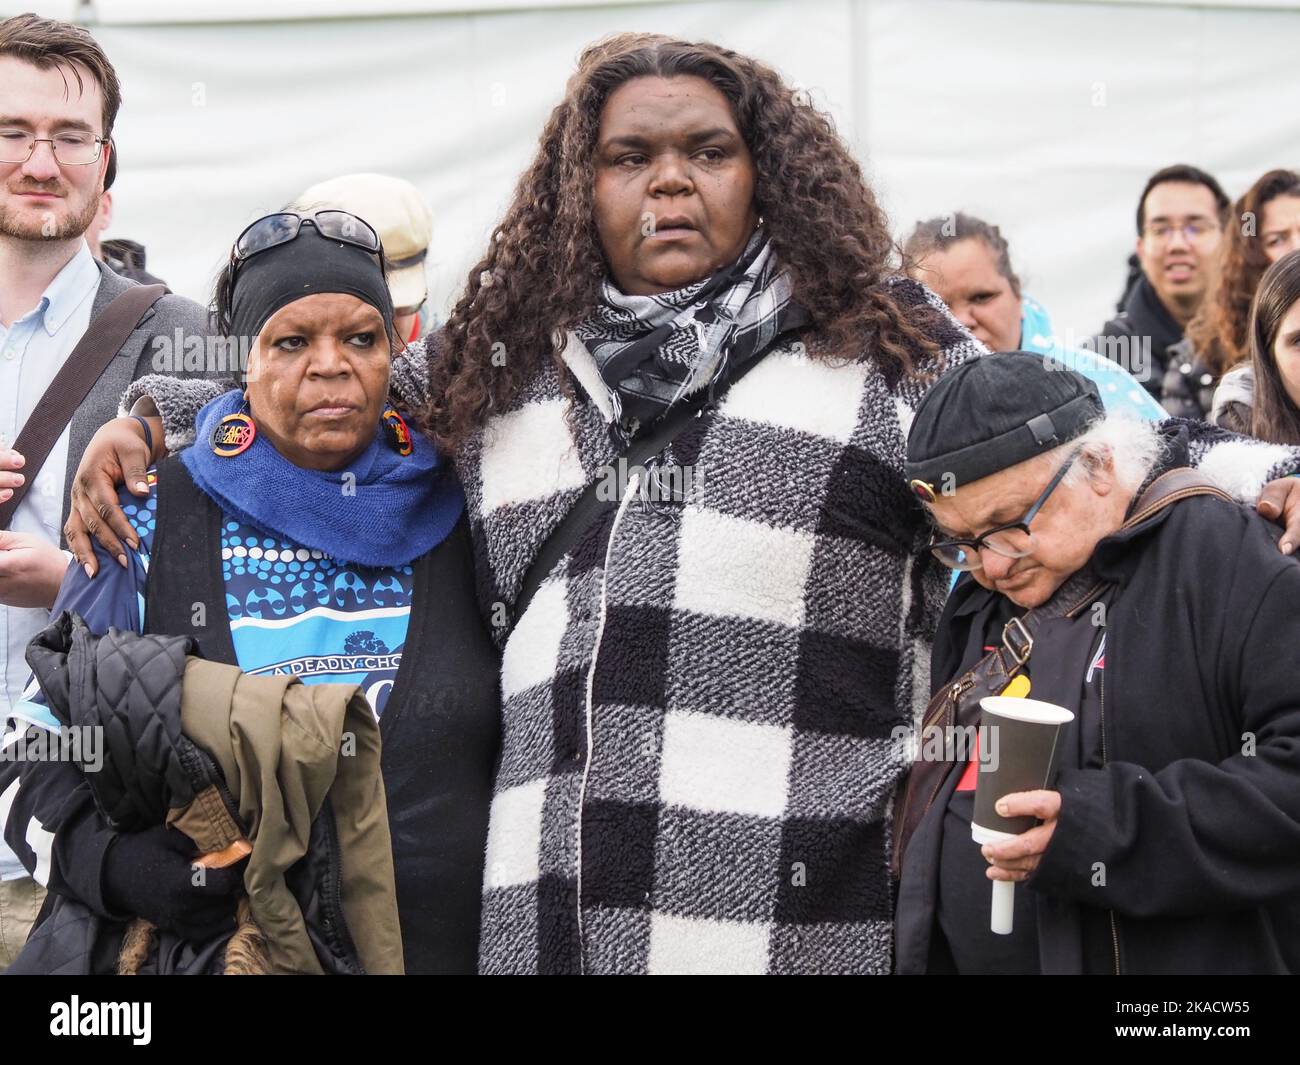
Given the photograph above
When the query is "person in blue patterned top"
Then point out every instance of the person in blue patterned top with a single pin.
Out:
(306, 532)
(291, 609)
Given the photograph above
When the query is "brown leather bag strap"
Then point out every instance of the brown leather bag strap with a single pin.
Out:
(98, 346)
(1179, 483)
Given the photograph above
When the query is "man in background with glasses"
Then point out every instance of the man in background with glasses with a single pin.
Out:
(1180, 218)
(1169, 836)
(59, 96)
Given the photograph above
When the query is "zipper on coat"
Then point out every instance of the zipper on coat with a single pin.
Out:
(232, 807)
(628, 496)
(335, 922)
(1114, 925)
(218, 779)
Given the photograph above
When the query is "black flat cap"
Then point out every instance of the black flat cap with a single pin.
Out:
(992, 413)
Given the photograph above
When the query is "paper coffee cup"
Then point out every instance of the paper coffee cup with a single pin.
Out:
(1019, 746)
(1025, 734)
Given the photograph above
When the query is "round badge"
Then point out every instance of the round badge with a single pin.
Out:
(399, 436)
(233, 435)
(923, 491)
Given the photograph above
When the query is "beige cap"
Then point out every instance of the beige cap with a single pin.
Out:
(399, 215)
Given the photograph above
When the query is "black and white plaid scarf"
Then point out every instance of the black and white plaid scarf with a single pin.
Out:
(653, 350)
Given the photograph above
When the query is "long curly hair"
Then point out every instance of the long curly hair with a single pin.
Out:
(1220, 330)
(542, 271)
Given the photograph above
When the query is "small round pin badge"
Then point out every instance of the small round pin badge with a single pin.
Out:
(397, 432)
(923, 491)
(233, 435)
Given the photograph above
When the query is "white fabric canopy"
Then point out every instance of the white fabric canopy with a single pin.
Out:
(1043, 117)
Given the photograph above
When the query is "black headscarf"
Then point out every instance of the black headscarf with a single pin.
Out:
(305, 266)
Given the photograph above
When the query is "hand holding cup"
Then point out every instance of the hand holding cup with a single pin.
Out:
(1015, 858)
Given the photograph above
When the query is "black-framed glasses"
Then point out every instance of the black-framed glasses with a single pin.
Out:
(284, 226)
(1013, 540)
(1163, 232)
(72, 147)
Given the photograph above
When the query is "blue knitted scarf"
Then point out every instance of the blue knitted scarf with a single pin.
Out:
(380, 510)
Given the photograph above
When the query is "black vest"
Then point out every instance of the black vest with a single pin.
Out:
(440, 727)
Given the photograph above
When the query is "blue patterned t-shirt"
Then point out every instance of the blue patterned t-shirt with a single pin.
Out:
(292, 609)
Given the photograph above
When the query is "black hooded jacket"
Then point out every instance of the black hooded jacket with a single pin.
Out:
(1125, 337)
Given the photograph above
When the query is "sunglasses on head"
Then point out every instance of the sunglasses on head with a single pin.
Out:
(285, 226)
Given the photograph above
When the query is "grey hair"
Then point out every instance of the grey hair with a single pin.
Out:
(1132, 445)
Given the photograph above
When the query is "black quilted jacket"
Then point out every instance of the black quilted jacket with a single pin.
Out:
(130, 686)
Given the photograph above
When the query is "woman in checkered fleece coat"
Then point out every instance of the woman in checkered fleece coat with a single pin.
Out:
(696, 766)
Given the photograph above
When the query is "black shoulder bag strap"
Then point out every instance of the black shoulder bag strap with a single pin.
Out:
(958, 704)
(589, 505)
(185, 594)
(98, 346)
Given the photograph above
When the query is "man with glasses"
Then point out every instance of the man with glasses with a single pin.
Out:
(59, 97)
(1169, 836)
(1180, 220)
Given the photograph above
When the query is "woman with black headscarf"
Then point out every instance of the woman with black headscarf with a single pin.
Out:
(307, 532)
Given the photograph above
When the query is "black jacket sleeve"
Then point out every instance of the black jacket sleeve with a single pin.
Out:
(53, 825)
(1199, 836)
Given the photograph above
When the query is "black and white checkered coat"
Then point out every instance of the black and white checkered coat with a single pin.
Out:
(696, 765)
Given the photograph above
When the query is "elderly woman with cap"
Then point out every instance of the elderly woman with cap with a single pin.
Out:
(309, 532)
(1128, 590)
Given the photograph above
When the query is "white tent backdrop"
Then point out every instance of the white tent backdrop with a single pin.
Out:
(1043, 117)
